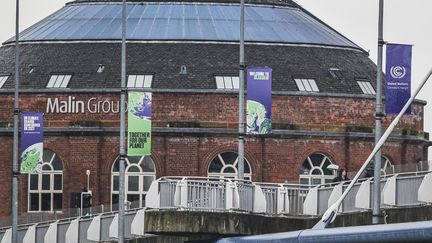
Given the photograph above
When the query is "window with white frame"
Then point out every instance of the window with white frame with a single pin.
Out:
(139, 81)
(46, 188)
(366, 87)
(387, 167)
(227, 82)
(59, 81)
(225, 165)
(314, 170)
(3, 79)
(307, 85)
(140, 172)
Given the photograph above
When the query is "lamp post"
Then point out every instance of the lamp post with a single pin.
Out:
(122, 129)
(376, 212)
(16, 112)
(241, 129)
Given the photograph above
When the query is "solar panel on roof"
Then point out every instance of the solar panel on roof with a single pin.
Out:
(183, 21)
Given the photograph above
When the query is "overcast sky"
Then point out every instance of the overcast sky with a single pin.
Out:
(407, 22)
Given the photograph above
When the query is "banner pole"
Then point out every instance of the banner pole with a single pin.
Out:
(241, 128)
(376, 211)
(15, 170)
(121, 201)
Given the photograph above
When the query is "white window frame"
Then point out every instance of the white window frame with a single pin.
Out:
(227, 82)
(322, 177)
(3, 79)
(141, 192)
(386, 164)
(366, 87)
(306, 85)
(52, 173)
(221, 174)
(59, 81)
(139, 81)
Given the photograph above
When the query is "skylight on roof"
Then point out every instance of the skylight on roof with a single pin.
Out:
(366, 87)
(3, 79)
(307, 85)
(59, 81)
(227, 82)
(139, 81)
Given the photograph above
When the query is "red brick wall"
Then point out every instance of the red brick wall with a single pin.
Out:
(272, 158)
(221, 110)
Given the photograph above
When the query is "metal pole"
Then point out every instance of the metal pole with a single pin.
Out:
(241, 129)
(330, 214)
(376, 214)
(16, 112)
(122, 129)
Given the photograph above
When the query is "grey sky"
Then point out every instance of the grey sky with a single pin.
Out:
(406, 22)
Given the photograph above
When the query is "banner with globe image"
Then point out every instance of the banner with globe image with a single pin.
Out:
(139, 123)
(31, 142)
(259, 100)
(398, 78)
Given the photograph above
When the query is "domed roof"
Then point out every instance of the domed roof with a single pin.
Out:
(184, 21)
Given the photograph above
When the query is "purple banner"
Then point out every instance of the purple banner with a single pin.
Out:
(398, 78)
(31, 142)
(259, 100)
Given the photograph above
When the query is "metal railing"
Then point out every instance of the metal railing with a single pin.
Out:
(222, 195)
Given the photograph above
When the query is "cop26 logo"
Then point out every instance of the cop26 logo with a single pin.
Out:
(398, 72)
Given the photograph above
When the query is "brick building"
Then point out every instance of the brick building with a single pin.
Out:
(186, 53)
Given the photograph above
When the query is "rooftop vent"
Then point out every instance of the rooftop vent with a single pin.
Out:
(183, 69)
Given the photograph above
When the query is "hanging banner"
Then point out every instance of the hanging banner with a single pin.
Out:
(139, 123)
(398, 78)
(31, 142)
(259, 100)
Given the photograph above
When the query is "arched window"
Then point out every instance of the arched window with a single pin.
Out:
(140, 172)
(314, 170)
(387, 167)
(225, 165)
(46, 188)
